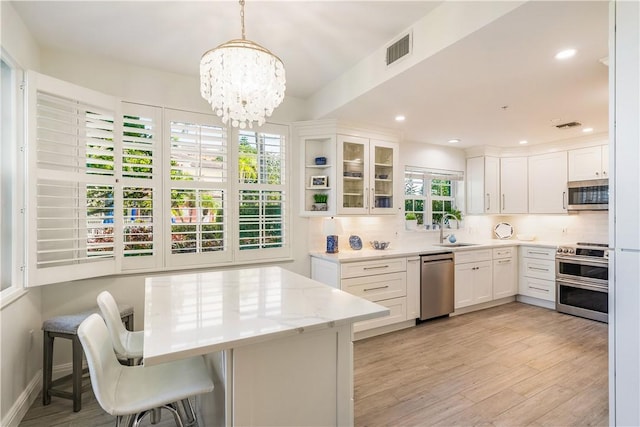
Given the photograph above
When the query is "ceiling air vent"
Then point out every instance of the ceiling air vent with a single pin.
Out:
(399, 49)
(568, 125)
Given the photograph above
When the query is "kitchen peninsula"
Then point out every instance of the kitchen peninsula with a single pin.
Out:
(278, 345)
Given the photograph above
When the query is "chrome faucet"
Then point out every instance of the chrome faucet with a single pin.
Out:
(442, 236)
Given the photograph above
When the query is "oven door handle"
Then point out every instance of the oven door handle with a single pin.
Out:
(581, 261)
(588, 287)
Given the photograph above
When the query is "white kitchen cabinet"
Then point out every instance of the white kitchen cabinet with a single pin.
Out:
(473, 278)
(505, 272)
(483, 185)
(548, 183)
(383, 281)
(413, 287)
(317, 159)
(589, 163)
(366, 176)
(537, 274)
(514, 185)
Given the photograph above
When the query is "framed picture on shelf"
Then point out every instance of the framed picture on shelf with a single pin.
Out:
(319, 181)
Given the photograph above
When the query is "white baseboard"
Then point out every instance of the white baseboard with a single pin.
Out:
(24, 402)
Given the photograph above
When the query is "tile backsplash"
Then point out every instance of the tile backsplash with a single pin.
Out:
(571, 228)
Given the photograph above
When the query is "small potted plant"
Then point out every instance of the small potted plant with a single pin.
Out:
(455, 223)
(320, 200)
(410, 221)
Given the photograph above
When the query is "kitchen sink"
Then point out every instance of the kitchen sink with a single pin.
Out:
(455, 245)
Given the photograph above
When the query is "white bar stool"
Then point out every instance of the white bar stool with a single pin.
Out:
(131, 392)
(127, 344)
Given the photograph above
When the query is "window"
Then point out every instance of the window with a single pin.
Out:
(198, 185)
(119, 187)
(262, 196)
(430, 193)
(10, 193)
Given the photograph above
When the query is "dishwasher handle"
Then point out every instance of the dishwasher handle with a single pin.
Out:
(446, 256)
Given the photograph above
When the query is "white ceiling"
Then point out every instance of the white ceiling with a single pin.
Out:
(457, 93)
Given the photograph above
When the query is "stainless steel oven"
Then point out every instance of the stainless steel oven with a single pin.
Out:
(582, 280)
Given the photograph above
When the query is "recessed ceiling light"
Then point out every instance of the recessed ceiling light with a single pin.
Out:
(587, 130)
(400, 118)
(564, 54)
(453, 141)
(524, 141)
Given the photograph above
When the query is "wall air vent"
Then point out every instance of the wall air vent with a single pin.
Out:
(568, 125)
(399, 49)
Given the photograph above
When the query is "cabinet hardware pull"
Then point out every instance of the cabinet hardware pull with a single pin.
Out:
(366, 195)
(604, 172)
(538, 253)
(539, 289)
(538, 269)
(375, 289)
(488, 201)
(564, 196)
(502, 208)
(504, 261)
(373, 268)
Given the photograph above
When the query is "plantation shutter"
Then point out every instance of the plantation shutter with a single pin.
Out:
(141, 182)
(262, 197)
(72, 138)
(198, 189)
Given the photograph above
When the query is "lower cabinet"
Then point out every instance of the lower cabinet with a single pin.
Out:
(505, 273)
(383, 281)
(473, 278)
(537, 274)
(485, 275)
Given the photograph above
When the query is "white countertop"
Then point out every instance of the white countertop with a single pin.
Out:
(414, 249)
(192, 314)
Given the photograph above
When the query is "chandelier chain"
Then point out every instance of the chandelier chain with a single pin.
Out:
(242, 18)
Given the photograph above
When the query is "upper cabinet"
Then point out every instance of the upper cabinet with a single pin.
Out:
(342, 174)
(483, 185)
(318, 160)
(366, 170)
(513, 185)
(548, 183)
(589, 163)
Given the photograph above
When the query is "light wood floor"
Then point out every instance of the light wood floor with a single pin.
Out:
(512, 365)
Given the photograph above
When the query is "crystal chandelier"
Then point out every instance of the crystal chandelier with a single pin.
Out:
(242, 80)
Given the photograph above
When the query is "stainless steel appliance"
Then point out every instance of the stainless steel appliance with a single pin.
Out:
(436, 285)
(582, 280)
(592, 195)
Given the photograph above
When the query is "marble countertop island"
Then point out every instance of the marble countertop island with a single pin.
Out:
(199, 313)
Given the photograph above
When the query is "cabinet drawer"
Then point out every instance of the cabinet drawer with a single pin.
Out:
(499, 253)
(369, 268)
(538, 268)
(377, 288)
(398, 308)
(539, 253)
(472, 256)
(543, 289)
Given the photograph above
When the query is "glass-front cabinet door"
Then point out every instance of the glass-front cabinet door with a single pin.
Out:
(353, 175)
(383, 159)
(365, 176)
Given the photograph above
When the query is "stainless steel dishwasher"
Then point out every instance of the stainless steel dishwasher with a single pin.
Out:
(436, 285)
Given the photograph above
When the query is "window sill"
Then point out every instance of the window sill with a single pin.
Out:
(10, 295)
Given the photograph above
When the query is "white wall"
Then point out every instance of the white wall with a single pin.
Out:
(20, 356)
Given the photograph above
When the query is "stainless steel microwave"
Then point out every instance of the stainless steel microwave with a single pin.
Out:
(591, 195)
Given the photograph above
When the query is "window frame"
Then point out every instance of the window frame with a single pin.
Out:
(456, 180)
(14, 147)
(162, 259)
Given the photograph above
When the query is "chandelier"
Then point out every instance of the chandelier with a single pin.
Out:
(242, 80)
